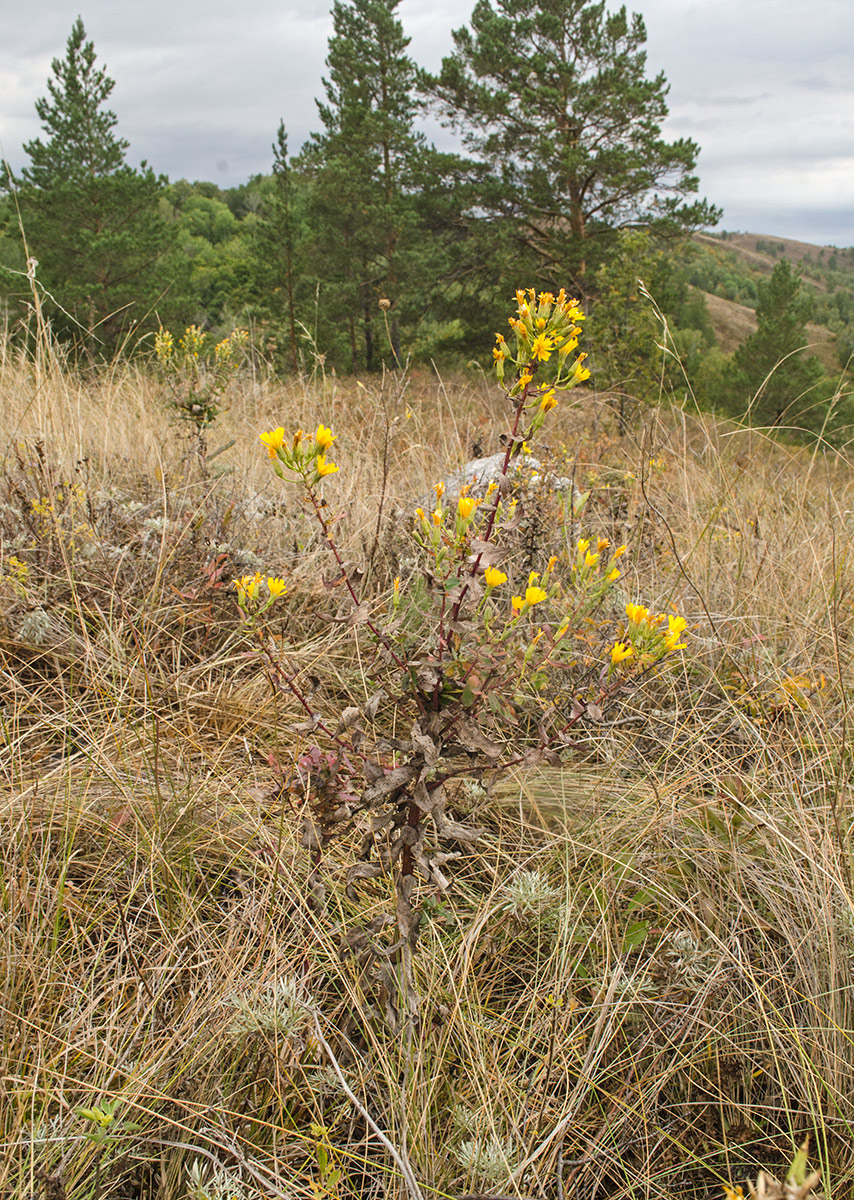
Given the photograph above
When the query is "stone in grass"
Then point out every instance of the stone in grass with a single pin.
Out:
(524, 471)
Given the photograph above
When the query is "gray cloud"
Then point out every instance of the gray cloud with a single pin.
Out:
(201, 86)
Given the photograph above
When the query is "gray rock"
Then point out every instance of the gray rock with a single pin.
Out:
(524, 471)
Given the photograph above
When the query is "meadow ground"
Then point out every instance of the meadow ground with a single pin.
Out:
(639, 981)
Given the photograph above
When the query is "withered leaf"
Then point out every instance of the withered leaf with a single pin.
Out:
(489, 553)
(428, 677)
(361, 870)
(422, 743)
(392, 781)
(308, 726)
(371, 707)
(389, 745)
(594, 712)
(473, 738)
(349, 716)
(453, 829)
(372, 771)
(426, 799)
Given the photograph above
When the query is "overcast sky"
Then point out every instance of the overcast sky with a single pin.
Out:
(765, 87)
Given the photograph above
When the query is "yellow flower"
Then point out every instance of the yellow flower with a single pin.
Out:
(274, 440)
(636, 613)
(602, 544)
(499, 337)
(620, 651)
(614, 575)
(542, 347)
(493, 578)
(324, 468)
(590, 559)
(581, 372)
(671, 643)
(583, 545)
(549, 401)
(525, 380)
(324, 438)
(247, 585)
(535, 595)
(534, 575)
(492, 486)
(676, 625)
(552, 563)
(419, 514)
(618, 553)
(466, 506)
(276, 586)
(498, 354)
(518, 603)
(439, 489)
(437, 516)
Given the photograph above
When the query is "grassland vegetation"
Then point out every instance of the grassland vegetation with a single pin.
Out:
(635, 981)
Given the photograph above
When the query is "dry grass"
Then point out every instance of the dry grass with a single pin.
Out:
(640, 984)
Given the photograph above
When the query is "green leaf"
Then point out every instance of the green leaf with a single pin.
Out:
(635, 935)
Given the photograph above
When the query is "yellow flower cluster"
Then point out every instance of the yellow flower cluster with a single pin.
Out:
(649, 636)
(224, 350)
(545, 327)
(431, 525)
(534, 594)
(193, 341)
(592, 567)
(163, 344)
(304, 457)
(248, 590)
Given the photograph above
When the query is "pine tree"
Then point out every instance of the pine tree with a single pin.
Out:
(276, 244)
(551, 97)
(365, 164)
(769, 368)
(93, 222)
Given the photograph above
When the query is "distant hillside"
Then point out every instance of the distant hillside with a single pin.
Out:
(727, 268)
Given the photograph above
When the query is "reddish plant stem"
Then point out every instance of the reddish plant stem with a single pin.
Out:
(490, 523)
(279, 679)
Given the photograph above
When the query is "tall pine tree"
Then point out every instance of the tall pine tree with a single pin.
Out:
(365, 165)
(551, 97)
(277, 238)
(92, 221)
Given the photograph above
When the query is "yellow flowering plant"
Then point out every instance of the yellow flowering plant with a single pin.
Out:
(477, 669)
(197, 371)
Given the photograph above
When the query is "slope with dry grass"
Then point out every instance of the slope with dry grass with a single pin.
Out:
(639, 983)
